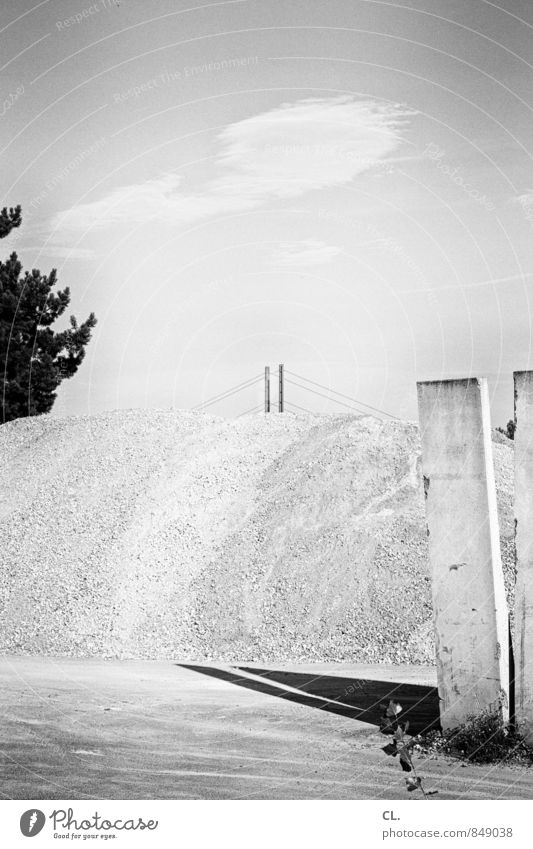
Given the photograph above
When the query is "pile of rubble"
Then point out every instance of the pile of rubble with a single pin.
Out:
(163, 533)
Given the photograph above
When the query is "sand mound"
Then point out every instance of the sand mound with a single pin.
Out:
(166, 533)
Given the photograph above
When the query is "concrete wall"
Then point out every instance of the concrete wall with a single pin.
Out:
(523, 648)
(469, 605)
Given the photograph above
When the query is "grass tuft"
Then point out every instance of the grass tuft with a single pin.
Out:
(483, 739)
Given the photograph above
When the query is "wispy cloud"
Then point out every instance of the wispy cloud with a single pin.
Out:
(526, 202)
(526, 199)
(304, 253)
(454, 287)
(283, 153)
(57, 252)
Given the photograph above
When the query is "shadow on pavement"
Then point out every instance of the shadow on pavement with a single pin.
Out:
(354, 698)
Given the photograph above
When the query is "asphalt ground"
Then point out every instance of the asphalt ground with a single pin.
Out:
(109, 729)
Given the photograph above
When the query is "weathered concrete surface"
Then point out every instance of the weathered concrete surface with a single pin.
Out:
(523, 454)
(88, 728)
(469, 606)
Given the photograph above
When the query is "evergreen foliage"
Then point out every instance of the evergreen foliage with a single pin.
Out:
(34, 359)
(509, 430)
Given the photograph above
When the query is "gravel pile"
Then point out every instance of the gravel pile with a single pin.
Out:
(161, 533)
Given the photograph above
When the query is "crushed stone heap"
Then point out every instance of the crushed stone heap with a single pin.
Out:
(174, 534)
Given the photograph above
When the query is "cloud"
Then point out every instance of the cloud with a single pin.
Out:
(283, 153)
(57, 252)
(305, 253)
(526, 202)
(526, 199)
(454, 287)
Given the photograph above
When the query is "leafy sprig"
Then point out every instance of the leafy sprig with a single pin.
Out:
(402, 746)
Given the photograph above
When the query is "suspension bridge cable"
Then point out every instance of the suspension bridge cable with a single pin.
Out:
(333, 400)
(348, 397)
(252, 410)
(303, 409)
(224, 397)
(237, 388)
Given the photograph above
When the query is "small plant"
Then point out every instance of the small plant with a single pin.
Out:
(401, 746)
(483, 738)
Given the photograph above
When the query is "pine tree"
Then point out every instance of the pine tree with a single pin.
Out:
(509, 431)
(9, 218)
(34, 359)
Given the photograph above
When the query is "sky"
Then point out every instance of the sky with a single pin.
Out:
(342, 187)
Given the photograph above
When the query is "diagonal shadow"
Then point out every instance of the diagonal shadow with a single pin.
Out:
(353, 698)
(420, 703)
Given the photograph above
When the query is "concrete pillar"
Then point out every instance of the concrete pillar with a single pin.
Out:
(523, 500)
(469, 605)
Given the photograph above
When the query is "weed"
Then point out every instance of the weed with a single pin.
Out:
(484, 738)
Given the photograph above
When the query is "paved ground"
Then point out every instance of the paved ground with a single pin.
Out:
(77, 729)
